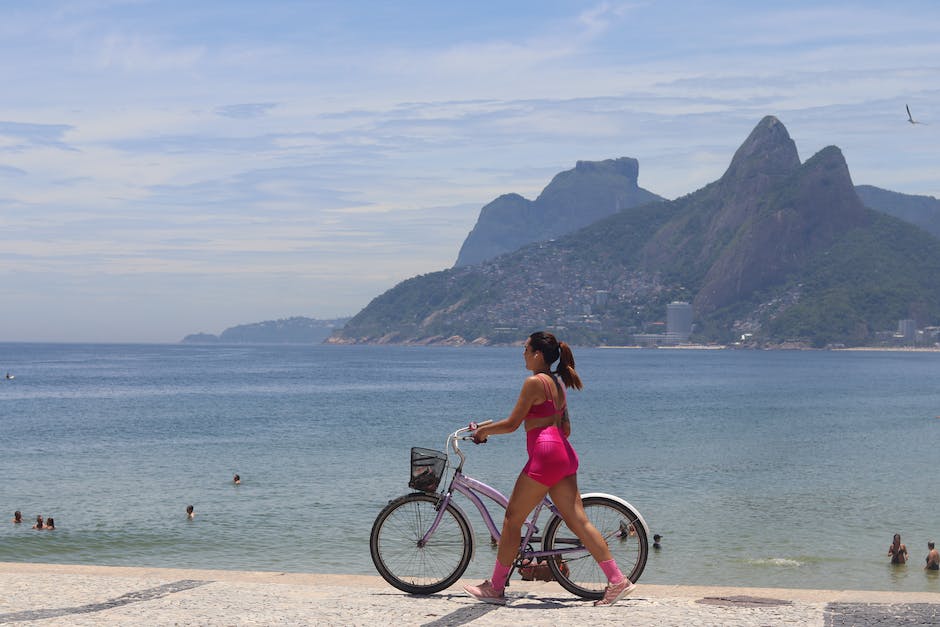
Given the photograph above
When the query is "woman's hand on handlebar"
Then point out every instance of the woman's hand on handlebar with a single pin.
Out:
(477, 437)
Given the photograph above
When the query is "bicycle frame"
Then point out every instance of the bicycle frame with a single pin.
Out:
(472, 489)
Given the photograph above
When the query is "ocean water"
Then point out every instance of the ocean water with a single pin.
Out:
(772, 468)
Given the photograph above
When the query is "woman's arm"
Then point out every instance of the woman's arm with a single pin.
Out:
(530, 394)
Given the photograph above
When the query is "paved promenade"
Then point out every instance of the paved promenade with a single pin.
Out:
(36, 594)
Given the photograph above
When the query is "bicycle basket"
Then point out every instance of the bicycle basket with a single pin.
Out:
(427, 469)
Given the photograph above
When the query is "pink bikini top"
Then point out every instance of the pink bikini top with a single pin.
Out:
(545, 409)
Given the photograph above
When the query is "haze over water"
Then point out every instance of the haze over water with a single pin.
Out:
(788, 469)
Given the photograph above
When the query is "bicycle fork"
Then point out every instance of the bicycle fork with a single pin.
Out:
(440, 508)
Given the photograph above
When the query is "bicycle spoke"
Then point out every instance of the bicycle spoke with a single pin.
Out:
(620, 529)
(401, 559)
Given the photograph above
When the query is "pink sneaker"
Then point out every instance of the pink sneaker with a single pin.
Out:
(616, 591)
(487, 593)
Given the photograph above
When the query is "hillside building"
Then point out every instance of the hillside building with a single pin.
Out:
(678, 327)
(679, 320)
(907, 330)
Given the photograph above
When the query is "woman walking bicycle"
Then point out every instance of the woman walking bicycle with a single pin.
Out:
(551, 469)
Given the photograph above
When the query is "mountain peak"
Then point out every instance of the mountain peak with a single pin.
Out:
(767, 151)
(573, 199)
(766, 159)
(799, 216)
(627, 167)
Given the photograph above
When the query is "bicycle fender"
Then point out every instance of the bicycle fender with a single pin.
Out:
(405, 496)
(639, 516)
(417, 493)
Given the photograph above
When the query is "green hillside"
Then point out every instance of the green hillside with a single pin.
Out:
(776, 250)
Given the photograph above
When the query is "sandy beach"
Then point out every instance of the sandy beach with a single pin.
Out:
(43, 594)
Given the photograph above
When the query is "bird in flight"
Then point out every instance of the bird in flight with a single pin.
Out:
(910, 118)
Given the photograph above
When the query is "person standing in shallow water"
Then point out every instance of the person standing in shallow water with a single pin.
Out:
(933, 557)
(552, 467)
(897, 551)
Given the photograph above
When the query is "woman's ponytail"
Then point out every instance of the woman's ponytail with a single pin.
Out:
(566, 369)
(551, 349)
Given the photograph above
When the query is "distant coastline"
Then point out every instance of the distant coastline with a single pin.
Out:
(893, 349)
(694, 347)
(296, 330)
(703, 347)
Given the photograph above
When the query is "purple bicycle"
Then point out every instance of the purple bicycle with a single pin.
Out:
(422, 542)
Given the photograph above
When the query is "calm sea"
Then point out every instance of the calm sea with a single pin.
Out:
(776, 468)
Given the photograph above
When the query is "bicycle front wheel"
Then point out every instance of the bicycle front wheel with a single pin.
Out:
(404, 560)
(577, 571)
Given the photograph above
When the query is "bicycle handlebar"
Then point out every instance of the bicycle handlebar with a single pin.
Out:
(456, 436)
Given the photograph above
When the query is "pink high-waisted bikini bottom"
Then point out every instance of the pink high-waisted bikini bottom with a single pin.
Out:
(551, 457)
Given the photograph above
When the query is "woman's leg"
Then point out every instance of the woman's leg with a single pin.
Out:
(525, 496)
(567, 499)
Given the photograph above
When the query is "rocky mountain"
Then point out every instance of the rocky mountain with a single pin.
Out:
(776, 248)
(296, 330)
(763, 220)
(924, 211)
(573, 199)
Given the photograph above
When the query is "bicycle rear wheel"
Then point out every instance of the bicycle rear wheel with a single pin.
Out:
(625, 536)
(401, 559)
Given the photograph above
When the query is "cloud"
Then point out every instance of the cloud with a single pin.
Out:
(16, 136)
(265, 193)
(195, 144)
(133, 53)
(245, 111)
(7, 171)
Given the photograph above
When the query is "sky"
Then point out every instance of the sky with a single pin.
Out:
(169, 168)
